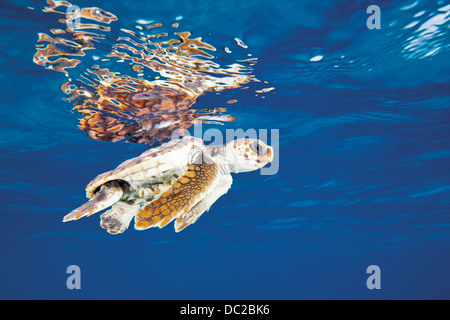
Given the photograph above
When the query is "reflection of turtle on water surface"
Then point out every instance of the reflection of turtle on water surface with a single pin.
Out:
(179, 180)
(163, 80)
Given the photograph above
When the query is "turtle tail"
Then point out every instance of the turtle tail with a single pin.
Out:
(109, 194)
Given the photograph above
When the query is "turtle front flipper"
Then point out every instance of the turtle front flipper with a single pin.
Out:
(109, 194)
(184, 193)
(187, 218)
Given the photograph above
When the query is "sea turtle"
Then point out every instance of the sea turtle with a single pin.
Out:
(179, 180)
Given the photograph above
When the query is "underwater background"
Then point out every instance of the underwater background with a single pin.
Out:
(363, 178)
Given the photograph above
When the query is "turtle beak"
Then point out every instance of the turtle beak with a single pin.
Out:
(269, 154)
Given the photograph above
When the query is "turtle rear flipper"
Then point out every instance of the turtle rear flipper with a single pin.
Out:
(118, 218)
(109, 194)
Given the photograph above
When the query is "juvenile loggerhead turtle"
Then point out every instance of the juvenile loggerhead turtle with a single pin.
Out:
(179, 180)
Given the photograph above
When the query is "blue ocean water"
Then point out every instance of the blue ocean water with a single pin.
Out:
(363, 118)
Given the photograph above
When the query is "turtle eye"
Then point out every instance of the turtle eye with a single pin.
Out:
(259, 149)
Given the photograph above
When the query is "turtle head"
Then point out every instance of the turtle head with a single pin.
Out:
(248, 154)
